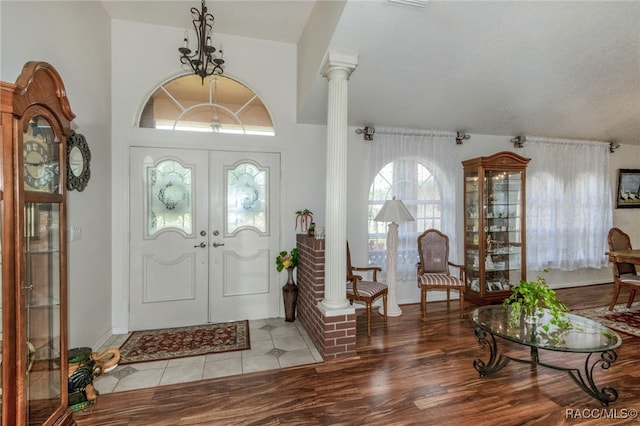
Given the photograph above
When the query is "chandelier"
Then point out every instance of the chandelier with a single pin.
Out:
(204, 62)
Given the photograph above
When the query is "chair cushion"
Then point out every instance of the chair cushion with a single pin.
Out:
(630, 279)
(440, 279)
(367, 288)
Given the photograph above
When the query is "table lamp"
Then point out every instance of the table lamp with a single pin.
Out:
(393, 211)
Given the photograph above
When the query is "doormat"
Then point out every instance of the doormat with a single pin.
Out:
(621, 318)
(180, 342)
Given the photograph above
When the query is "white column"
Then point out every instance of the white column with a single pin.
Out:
(337, 68)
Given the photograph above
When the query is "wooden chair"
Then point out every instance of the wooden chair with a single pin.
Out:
(624, 274)
(365, 291)
(433, 268)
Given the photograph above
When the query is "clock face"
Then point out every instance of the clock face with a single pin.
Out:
(40, 173)
(35, 160)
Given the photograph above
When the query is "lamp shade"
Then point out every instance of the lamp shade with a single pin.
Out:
(394, 211)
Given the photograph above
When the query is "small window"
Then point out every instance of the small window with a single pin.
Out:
(217, 105)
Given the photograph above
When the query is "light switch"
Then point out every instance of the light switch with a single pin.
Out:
(75, 234)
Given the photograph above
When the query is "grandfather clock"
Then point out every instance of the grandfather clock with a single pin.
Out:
(35, 122)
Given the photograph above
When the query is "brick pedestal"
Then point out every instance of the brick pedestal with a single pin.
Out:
(333, 333)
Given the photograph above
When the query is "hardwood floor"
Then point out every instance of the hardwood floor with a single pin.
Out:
(411, 373)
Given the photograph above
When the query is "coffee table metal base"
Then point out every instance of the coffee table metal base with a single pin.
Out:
(585, 381)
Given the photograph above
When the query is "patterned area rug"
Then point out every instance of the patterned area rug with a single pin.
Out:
(619, 319)
(180, 342)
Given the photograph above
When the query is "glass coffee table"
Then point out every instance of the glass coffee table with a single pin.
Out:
(584, 337)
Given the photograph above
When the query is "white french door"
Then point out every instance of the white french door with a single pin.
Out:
(203, 236)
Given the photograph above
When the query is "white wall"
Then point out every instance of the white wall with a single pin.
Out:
(269, 68)
(74, 38)
(626, 157)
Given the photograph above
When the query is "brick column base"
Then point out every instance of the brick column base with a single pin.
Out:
(333, 332)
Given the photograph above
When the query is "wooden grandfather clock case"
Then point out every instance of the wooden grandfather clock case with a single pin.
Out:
(35, 122)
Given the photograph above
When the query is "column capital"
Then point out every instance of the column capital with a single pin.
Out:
(338, 61)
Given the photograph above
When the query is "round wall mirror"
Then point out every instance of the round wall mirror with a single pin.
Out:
(78, 158)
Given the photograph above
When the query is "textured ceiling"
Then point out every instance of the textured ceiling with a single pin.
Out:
(281, 20)
(552, 69)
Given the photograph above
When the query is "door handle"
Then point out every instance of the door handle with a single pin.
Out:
(218, 244)
(201, 245)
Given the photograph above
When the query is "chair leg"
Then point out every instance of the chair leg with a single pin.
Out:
(384, 308)
(368, 319)
(632, 295)
(448, 297)
(616, 292)
(461, 304)
(423, 302)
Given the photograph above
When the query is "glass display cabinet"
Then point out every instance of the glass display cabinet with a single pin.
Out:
(494, 226)
(36, 119)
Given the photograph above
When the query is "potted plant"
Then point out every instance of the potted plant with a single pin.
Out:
(304, 218)
(530, 297)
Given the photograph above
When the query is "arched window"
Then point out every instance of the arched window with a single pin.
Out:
(219, 105)
(412, 182)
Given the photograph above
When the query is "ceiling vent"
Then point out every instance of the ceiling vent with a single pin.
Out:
(414, 3)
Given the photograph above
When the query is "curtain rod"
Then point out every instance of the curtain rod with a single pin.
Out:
(369, 131)
(519, 141)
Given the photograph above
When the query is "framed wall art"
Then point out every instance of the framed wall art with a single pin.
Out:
(628, 195)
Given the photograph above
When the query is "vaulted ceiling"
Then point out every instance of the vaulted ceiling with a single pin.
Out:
(550, 69)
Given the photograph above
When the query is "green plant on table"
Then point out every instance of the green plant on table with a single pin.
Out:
(532, 296)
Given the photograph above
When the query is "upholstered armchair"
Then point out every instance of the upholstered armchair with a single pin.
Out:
(624, 274)
(364, 291)
(433, 269)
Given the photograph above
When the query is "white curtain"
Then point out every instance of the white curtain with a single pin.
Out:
(569, 207)
(436, 152)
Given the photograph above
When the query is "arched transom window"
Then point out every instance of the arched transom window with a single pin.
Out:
(219, 104)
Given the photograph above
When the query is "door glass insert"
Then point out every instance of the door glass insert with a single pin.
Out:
(170, 197)
(246, 198)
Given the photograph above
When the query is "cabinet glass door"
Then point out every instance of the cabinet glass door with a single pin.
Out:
(42, 298)
(502, 225)
(42, 316)
(472, 230)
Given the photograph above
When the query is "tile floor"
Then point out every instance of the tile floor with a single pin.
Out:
(275, 343)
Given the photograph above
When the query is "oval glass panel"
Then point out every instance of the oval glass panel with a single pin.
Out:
(76, 161)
